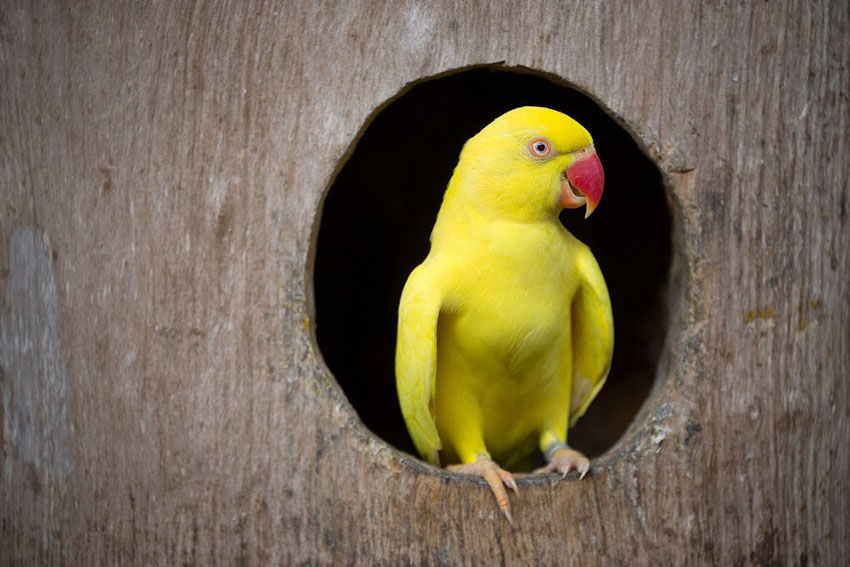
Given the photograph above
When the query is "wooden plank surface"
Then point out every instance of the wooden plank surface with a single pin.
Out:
(163, 398)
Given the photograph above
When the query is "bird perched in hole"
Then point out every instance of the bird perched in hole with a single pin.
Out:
(505, 331)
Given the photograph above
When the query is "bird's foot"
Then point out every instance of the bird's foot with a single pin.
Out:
(496, 478)
(565, 459)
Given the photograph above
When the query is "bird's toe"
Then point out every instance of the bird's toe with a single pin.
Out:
(497, 479)
(565, 460)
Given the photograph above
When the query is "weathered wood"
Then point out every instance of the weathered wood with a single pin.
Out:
(162, 169)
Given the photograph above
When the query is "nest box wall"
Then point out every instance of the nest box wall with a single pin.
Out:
(163, 396)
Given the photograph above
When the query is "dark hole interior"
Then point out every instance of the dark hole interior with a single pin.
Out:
(379, 212)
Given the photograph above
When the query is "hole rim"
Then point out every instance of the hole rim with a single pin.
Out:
(677, 284)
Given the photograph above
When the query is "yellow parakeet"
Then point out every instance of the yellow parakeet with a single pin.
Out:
(505, 331)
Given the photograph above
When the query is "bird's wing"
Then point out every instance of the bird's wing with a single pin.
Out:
(416, 360)
(593, 335)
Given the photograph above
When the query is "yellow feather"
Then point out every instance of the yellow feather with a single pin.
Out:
(505, 332)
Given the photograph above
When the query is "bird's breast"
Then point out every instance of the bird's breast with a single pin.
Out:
(511, 308)
(511, 328)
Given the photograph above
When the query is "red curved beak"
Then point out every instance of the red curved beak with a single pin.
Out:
(586, 176)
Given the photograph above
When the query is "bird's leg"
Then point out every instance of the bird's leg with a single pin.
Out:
(563, 459)
(496, 478)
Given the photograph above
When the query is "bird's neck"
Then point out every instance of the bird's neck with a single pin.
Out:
(473, 198)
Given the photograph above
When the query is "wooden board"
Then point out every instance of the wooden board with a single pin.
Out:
(163, 398)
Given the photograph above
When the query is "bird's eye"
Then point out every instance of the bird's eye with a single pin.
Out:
(540, 147)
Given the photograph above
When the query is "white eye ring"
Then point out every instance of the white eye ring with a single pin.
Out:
(540, 147)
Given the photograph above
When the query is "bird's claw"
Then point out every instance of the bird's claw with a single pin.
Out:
(565, 460)
(497, 479)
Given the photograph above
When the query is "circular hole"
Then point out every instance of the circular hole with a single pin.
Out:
(380, 209)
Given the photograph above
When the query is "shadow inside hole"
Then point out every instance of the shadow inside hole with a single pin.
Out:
(378, 216)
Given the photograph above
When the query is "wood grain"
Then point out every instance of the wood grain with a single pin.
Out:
(172, 159)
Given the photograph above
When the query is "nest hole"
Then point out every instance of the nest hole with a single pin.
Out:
(381, 206)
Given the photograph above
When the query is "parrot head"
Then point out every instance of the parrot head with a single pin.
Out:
(531, 162)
